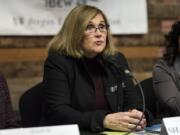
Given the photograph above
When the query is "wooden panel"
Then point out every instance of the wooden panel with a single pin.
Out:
(142, 52)
(18, 69)
(39, 54)
(22, 54)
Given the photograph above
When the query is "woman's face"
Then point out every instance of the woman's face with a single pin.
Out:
(95, 35)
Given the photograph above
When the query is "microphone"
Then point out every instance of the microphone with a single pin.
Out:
(127, 72)
(121, 70)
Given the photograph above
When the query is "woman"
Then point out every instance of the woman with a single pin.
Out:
(83, 77)
(166, 73)
(7, 116)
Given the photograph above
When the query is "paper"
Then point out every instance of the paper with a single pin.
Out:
(116, 133)
(48, 130)
(154, 129)
(171, 126)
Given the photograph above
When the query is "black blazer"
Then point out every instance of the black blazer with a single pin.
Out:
(70, 94)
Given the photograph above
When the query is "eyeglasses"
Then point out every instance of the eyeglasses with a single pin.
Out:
(92, 28)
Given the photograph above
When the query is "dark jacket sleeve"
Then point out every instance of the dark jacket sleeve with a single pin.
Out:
(166, 89)
(58, 93)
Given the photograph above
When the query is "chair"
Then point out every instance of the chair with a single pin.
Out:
(30, 106)
(150, 97)
(157, 109)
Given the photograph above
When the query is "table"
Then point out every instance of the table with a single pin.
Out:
(90, 133)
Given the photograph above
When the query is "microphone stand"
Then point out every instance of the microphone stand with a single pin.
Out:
(143, 100)
(127, 72)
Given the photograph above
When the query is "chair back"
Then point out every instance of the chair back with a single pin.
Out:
(30, 106)
(157, 109)
(150, 97)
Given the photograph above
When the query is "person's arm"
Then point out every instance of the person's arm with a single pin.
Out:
(58, 94)
(166, 90)
(127, 120)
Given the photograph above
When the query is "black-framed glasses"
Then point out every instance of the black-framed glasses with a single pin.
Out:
(91, 28)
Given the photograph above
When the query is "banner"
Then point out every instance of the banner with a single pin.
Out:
(45, 17)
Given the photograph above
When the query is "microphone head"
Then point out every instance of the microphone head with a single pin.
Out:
(127, 72)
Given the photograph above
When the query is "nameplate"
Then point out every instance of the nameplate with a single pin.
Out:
(47, 130)
(170, 126)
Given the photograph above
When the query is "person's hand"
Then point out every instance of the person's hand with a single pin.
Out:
(124, 121)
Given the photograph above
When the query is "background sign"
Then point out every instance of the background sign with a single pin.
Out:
(45, 17)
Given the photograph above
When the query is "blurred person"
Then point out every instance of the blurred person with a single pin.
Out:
(166, 73)
(7, 115)
(84, 79)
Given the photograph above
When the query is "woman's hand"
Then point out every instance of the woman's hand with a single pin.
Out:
(125, 121)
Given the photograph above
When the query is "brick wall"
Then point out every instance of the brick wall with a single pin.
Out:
(24, 72)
